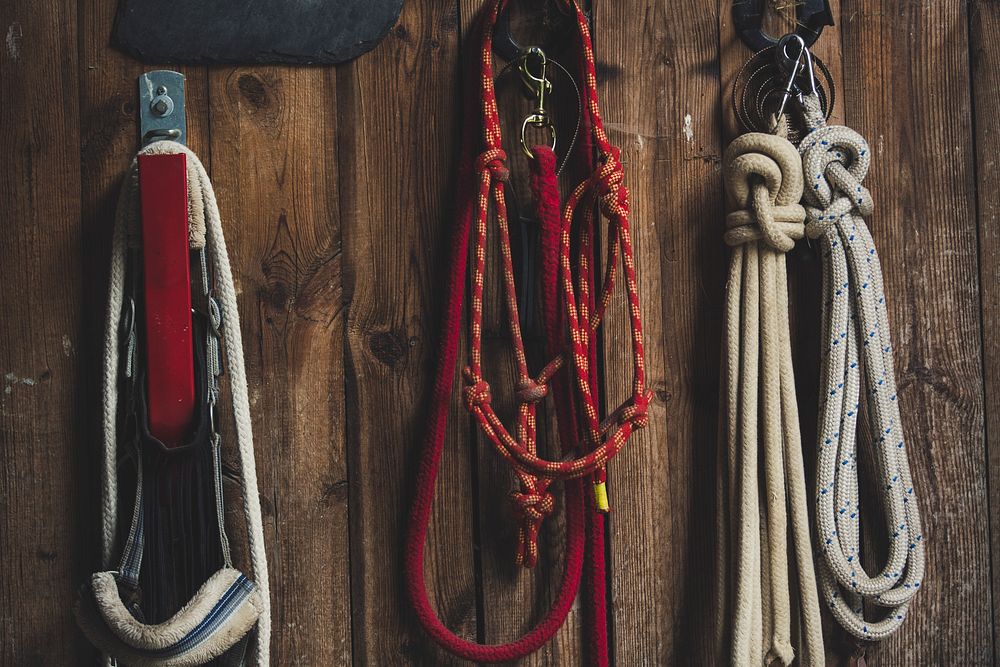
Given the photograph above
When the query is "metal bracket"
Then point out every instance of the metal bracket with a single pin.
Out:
(161, 107)
(811, 16)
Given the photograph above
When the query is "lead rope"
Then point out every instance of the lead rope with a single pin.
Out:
(763, 177)
(206, 221)
(572, 314)
(855, 335)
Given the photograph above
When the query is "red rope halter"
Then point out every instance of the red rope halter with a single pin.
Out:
(572, 314)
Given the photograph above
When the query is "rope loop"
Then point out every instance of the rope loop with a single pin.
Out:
(533, 507)
(613, 195)
(530, 391)
(835, 159)
(493, 160)
(763, 177)
(477, 393)
(637, 412)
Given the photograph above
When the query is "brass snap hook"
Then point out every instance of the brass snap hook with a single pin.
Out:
(540, 120)
(539, 86)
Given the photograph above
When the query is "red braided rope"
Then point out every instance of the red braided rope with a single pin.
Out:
(572, 315)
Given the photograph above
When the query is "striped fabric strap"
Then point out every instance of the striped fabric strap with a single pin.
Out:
(131, 561)
(219, 615)
(234, 596)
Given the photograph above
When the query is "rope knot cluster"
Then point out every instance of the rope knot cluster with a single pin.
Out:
(763, 176)
(530, 391)
(533, 507)
(835, 159)
(609, 178)
(637, 412)
(477, 393)
(493, 160)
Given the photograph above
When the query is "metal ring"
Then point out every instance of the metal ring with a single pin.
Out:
(158, 135)
(540, 121)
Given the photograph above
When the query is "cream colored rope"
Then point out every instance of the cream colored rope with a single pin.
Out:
(856, 340)
(763, 176)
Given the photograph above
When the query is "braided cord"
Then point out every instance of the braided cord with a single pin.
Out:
(763, 180)
(572, 315)
(857, 356)
(604, 188)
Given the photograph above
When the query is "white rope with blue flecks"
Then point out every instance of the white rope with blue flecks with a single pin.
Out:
(857, 357)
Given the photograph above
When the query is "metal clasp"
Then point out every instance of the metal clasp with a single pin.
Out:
(801, 65)
(538, 86)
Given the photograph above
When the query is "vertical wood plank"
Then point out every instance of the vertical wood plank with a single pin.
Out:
(397, 109)
(275, 170)
(984, 36)
(906, 73)
(661, 96)
(41, 516)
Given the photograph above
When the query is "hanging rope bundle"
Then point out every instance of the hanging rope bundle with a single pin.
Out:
(856, 340)
(175, 597)
(763, 177)
(573, 306)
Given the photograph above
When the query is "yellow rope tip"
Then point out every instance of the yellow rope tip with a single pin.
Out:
(601, 497)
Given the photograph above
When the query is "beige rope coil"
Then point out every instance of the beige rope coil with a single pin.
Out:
(857, 356)
(763, 175)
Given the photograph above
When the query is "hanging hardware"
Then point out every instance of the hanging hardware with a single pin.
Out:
(811, 16)
(161, 107)
(802, 65)
(539, 85)
(770, 77)
(562, 23)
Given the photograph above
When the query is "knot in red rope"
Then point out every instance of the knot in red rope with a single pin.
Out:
(477, 393)
(533, 506)
(492, 160)
(529, 391)
(613, 195)
(637, 413)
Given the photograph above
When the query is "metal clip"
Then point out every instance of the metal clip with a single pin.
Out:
(538, 85)
(802, 64)
(161, 107)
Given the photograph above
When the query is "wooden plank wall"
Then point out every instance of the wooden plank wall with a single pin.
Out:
(336, 189)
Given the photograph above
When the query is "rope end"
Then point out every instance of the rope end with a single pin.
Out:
(601, 497)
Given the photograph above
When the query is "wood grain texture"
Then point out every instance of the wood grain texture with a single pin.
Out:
(906, 73)
(336, 187)
(984, 34)
(398, 111)
(660, 97)
(280, 208)
(43, 467)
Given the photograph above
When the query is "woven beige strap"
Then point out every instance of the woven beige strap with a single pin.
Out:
(763, 175)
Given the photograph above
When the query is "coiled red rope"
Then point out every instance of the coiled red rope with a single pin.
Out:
(572, 312)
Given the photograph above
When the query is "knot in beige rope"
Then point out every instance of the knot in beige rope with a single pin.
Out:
(763, 175)
(857, 367)
(835, 160)
(767, 518)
